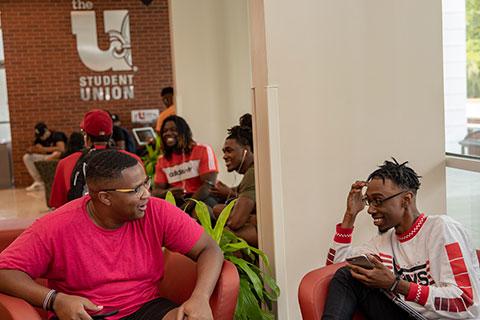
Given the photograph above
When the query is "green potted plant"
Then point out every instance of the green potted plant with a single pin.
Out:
(258, 289)
(150, 159)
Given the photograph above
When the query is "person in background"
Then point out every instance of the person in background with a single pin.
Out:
(428, 262)
(122, 138)
(170, 109)
(104, 251)
(48, 145)
(97, 129)
(238, 156)
(76, 143)
(186, 168)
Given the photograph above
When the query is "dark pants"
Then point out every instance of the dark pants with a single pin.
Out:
(152, 310)
(346, 295)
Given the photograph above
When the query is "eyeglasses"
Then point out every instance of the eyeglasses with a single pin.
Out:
(139, 190)
(378, 202)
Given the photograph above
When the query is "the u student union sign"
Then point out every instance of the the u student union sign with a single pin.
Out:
(117, 59)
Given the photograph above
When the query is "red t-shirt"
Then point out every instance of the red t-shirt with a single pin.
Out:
(184, 170)
(117, 269)
(63, 173)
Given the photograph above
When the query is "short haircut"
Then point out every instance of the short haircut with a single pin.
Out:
(243, 135)
(167, 90)
(185, 140)
(108, 164)
(400, 174)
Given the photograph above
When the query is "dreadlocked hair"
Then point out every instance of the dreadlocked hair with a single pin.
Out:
(185, 141)
(400, 174)
(243, 135)
(107, 164)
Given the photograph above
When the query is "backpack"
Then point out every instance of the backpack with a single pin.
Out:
(78, 185)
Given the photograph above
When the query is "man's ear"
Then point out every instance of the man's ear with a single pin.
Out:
(407, 199)
(104, 198)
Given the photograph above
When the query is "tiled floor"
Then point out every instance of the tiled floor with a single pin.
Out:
(18, 203)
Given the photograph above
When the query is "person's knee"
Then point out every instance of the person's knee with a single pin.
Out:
(26, 157)
(343, 273)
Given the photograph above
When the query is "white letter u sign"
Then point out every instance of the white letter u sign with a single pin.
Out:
(118, 57)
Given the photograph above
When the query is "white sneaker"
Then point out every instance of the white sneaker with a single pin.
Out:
(35, 186)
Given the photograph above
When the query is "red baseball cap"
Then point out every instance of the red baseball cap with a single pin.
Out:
(97, 123)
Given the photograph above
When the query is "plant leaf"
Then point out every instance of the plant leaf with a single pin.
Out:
(252, 275)
(170, 198)
(222, 219)
(247, 304)
(203, 216)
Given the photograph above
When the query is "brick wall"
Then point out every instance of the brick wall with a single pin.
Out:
(43, 66)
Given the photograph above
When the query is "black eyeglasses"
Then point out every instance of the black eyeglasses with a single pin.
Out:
(378, 202)
(139, 190)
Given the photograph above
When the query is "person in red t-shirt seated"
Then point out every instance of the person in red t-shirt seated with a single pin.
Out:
(186, 168)
(103, 251)
(97, 128)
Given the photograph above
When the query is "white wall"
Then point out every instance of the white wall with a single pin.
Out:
(212, 67)
(349, 84)
(455, 73)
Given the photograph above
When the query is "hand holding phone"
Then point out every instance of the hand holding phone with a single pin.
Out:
(361, 261)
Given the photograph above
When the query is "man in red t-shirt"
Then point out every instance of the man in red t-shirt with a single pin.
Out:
(103, 252)
(97, 126)
(186, 168)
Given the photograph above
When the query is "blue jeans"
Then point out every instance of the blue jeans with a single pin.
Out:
(346, 295)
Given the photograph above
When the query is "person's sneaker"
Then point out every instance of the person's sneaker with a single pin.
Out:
(35, 186)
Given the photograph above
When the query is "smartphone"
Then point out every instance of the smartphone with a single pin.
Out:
(98, 316)
(101, 316)
(361, 261)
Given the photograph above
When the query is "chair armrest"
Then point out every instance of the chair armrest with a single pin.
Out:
(313, 291)
(12, 308)
(180, 277)
(224, 298)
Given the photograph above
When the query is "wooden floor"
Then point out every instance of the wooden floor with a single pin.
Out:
(18, 203)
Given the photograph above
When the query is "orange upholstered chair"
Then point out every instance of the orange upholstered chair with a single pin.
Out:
(177, 284)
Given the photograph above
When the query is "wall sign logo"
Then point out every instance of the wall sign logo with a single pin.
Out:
(117, 58)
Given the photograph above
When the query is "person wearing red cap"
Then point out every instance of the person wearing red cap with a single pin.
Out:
(97, 127)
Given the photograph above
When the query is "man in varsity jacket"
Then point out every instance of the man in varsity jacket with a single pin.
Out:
(427, 261)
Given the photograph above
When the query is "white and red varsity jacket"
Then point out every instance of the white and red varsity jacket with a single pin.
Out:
(435, 256)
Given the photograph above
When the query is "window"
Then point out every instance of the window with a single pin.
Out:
(461, 55)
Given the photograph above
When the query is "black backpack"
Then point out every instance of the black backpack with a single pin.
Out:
(78, 185)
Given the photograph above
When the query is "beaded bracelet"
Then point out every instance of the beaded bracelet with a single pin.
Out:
(47, 299)
(52, 301)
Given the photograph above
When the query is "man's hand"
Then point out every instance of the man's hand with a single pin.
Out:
(221, 190)
(73, 307)
(195, 308)
(177, 192)
(378, 277)
(355, 204)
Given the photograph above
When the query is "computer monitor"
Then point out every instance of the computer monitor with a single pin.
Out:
(144, 135)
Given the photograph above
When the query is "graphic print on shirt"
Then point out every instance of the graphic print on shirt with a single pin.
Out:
(183, 171)
(418, 274)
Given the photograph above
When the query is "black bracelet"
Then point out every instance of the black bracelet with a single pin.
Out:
(51, 301)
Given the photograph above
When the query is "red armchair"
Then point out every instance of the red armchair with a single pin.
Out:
(177, 284)
(313, 290)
